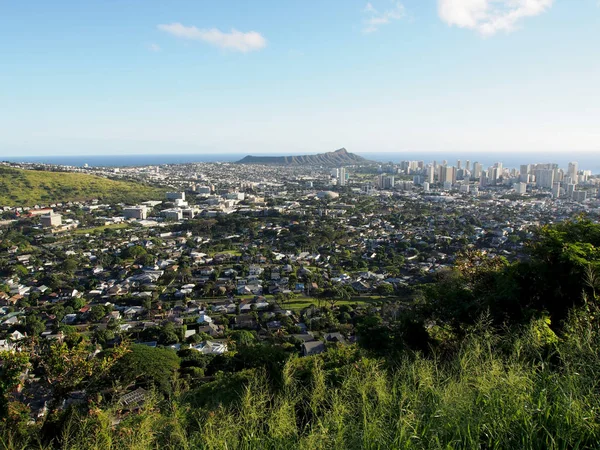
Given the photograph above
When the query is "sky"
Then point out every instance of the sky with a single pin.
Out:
(290, 76)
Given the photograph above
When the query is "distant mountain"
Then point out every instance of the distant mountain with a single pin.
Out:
(338, 158)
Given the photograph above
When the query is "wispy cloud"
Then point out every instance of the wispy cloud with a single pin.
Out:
(234, 40)
(375, 18)
(490, 16)
(154, 47)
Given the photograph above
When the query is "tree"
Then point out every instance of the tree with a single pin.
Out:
(34, 325)
(76, 303)
(243, 337)
(69, 265)
(148, 366)
(12, 364)
(185, 274)
(102, 336)
(385, 290)
(68, 368)
(97, 313)
(146, 260)
(168, 335)
(134, 252)
(20, 270)
(147, 305)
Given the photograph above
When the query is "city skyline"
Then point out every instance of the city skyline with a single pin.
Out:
(379, 76)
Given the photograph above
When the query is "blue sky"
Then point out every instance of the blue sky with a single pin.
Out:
(128, 76)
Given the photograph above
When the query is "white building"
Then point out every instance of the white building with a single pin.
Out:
(51, 220)
(173, 214)
(342, 178)
(327, 194)
(520, 188)
(211, 348)
(139, 212)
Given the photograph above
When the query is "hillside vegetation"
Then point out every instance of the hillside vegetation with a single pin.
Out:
(30, 187)
(492, 355)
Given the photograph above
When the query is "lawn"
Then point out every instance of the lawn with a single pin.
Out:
(100, 229)
(300, 303)
(226, 252)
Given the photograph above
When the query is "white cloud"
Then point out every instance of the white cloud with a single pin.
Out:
(376, 18)
(490, 16)
(154, 48)
(234, 40)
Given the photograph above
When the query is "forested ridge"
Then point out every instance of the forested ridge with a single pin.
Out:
(490, 354)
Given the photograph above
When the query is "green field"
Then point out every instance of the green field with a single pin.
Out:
(300, 303)
(100, 229)
(225, 252)
(30, 187)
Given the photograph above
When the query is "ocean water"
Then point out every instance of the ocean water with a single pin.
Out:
(587, 161)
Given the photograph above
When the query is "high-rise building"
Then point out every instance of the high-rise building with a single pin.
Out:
(430, 174)
(458, 164)
(477, 169)
(448, 174)
(483, 178)
(492, 175)
(342, 179)
(385, 181)
(520, 188)
(468, 165)
(579, 196)
(544, 178)
(556, 189)
(499, 169)
(524, 173)
(572, 172)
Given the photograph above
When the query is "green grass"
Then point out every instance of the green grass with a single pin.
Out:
(30, 187)
(225, 252)
(100, 229)
(300, 303)
(526, 390)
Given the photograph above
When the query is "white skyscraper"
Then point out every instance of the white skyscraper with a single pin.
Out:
(544, 178)
(342, 178)
(477, 169)
(572, 172)
(430, 174)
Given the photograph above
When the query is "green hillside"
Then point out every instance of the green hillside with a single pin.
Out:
(29, 187)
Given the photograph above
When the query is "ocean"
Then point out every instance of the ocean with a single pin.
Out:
(587, 161)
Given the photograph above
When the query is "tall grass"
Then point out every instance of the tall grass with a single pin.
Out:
(528, 390)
